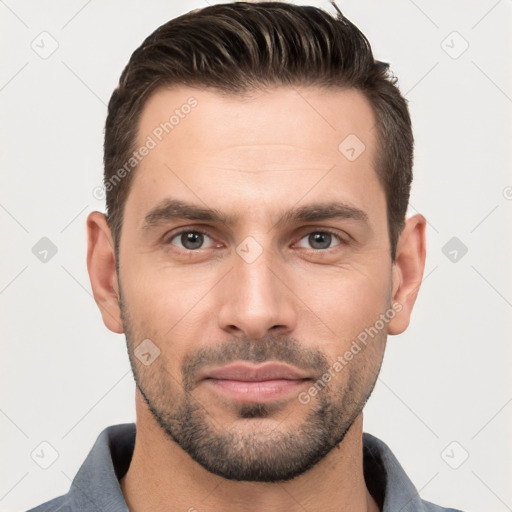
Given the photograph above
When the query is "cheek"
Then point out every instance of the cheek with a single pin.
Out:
(345, 303)
(147, 303)
(170, 307)
(153, 291)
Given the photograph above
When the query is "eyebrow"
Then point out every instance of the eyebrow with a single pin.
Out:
(174, 209)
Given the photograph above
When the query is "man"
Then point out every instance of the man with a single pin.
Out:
(256, 255)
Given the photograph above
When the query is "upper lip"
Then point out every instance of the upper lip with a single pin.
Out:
(253, 373)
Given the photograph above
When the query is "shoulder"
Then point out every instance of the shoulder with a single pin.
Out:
(96, 485)
(388, 483)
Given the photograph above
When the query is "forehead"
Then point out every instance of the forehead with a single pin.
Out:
(302, 118)
(268, 147)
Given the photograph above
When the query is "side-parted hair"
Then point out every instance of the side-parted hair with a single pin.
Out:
(239, 47)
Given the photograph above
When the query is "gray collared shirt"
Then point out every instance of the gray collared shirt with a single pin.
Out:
(96, 488)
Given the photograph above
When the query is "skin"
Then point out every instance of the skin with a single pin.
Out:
(254, 158)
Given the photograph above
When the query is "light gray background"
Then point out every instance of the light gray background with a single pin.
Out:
(65, 376)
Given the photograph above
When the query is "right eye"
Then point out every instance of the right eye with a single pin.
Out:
(188, 239)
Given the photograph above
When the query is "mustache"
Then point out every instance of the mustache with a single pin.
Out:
(270, 348)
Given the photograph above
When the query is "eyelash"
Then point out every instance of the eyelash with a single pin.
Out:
(167, 239)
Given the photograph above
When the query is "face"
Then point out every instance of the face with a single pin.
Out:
(254, 253)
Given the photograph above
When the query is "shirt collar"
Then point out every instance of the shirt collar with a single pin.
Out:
(386, 480)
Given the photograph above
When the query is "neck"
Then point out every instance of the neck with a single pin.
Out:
(162, 476)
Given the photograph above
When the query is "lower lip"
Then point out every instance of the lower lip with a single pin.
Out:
(258, 391)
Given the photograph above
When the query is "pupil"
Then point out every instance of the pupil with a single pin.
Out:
(324, 239)
(191, 240)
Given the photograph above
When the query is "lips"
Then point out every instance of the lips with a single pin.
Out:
(245, 382)
(255, 373)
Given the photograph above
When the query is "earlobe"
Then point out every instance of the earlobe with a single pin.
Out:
(101, 266)
(408, 271)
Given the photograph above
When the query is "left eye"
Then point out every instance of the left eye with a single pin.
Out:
(320, 240)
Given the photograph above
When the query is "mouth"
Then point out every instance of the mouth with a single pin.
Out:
(256, 383)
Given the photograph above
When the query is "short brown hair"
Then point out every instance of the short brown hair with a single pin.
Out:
(239, 47)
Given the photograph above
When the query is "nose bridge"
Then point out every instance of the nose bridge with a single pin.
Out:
(256, 299)
(256, 279)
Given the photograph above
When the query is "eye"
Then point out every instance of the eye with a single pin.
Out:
(189, 240)
(321, 240)
(193, 240)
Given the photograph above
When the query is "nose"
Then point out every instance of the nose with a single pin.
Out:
(256, 298)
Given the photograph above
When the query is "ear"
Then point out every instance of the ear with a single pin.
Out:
(101, 266)
(408, 272)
